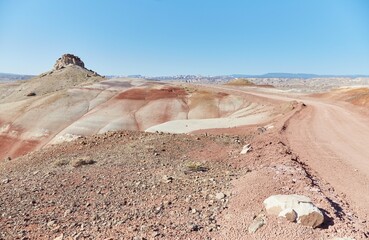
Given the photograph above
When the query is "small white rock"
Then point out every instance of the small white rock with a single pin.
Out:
(220, 196)
(246, 149)
(257, 223)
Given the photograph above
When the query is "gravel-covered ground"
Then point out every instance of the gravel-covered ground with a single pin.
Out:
(134, 185)
(120, 185)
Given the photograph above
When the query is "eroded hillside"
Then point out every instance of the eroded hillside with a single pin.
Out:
(71, 101)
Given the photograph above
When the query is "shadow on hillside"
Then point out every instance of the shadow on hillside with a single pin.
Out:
(328, 221)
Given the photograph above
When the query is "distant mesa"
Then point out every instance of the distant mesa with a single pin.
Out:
(247, 83)
(240, 82)
(68, 59)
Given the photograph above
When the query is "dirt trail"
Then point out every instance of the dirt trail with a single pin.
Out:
(334, 141)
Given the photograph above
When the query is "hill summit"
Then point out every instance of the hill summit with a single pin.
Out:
(68, 59)
(69, 71)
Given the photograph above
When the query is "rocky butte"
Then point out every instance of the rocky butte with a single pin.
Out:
(68, 59)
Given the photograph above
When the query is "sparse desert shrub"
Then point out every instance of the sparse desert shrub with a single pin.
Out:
(61, 162)
(82, 161)
(77, 162)
(189, 89)
(196, 167)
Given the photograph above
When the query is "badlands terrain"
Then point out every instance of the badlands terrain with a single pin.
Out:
(86, 157)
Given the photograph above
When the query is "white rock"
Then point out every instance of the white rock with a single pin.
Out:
(167, 179)
(288, 214)
(246, 149)
(64, 138)
(257, 223)
(307, 213)
(269, 127)
(50, 224)
(220, 196)
(277, 203)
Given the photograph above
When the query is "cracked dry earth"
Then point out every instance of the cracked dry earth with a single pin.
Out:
(134, 185)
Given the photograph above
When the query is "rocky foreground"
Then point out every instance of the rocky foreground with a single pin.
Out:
(119, 185)
(134, 185)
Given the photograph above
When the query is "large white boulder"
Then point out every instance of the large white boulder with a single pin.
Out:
(294, 207)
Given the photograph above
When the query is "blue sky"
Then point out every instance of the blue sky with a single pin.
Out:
(168, 37)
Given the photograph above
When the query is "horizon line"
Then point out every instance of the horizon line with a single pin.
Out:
(220, 75)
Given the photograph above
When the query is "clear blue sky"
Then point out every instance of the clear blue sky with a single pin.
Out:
(167, 37)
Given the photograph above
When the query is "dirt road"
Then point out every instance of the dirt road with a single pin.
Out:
(334, 141)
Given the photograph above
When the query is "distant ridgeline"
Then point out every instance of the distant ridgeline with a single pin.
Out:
(295, 75)
(240, 76)
(7, 77)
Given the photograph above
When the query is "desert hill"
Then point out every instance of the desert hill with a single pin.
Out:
(240, 82)
(71, 101)
(243, 82)
(63, 76)
(358, 96)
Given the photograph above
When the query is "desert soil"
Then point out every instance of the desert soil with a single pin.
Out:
(141, 185)
(332, 138)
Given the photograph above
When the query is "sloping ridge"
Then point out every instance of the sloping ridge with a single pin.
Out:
(356, 96)
(32, 111)
(50, 82)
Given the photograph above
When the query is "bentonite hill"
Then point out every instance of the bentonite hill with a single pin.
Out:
(87, 157)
